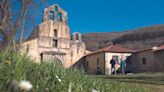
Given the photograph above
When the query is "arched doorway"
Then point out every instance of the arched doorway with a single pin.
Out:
(52, 57)
(57, 61)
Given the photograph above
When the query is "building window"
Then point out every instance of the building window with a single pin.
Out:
(144, 61)
(59, 16)
(41, 57)
(51, 15)
(54, 43)
(76, 36)
(55, 32)
(28, 48)
(87, 64)
(98, 62)
(55, 8)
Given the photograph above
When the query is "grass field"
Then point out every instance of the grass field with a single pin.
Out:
(50, 77)
(152, 81)
(146, 78)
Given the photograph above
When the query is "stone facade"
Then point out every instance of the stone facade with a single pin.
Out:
(51, 40)
(138, 61)
(148, 60)
(159, 59)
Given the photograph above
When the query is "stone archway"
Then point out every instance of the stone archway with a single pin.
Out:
(54, 57)
(57, 61)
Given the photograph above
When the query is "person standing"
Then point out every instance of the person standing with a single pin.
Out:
(98, 71)
(122, 66)
(113, 63)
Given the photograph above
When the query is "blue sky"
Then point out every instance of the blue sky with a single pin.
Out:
(87, 16)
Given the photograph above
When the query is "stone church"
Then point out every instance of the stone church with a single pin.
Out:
(51, 40)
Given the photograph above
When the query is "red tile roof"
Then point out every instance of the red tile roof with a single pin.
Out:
(141, 50)
(152, 49)
(160, 48)
(113, 49)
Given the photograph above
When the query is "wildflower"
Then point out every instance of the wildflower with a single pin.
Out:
(93, 90)
(25, 85)
(59, 80)
(57, 77)
(7, 62)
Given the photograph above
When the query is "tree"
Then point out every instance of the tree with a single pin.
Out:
(25, 4)
(13, 14)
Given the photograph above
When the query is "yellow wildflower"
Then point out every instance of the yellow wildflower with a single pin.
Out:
(7, 62)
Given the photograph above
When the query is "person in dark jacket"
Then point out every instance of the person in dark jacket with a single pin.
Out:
(98, 71)
(113, 63)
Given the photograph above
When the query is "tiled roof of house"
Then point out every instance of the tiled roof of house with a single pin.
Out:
(152, 49)
(160, 48)
(141, 50)
(117, 49)
(113, 49)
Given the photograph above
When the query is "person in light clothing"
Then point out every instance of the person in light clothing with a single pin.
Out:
(122, 66)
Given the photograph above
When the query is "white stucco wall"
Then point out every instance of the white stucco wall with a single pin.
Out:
(108, 57)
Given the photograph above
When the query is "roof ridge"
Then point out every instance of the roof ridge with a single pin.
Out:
(108, 47)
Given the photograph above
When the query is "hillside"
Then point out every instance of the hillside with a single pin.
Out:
(136, 39)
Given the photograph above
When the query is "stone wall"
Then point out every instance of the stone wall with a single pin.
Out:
(94, 61)
(142, 62)
(31, 48)
(53, 41)
(159, 61)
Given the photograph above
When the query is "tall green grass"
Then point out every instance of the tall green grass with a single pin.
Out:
(44, 77)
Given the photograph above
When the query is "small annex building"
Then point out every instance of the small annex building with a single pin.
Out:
(147, 60)
(101, 59)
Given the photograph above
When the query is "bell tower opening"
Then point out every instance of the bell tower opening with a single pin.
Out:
(56, 8)
(77, 36)
(59, 16)
(55, 13)
(51, 15)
